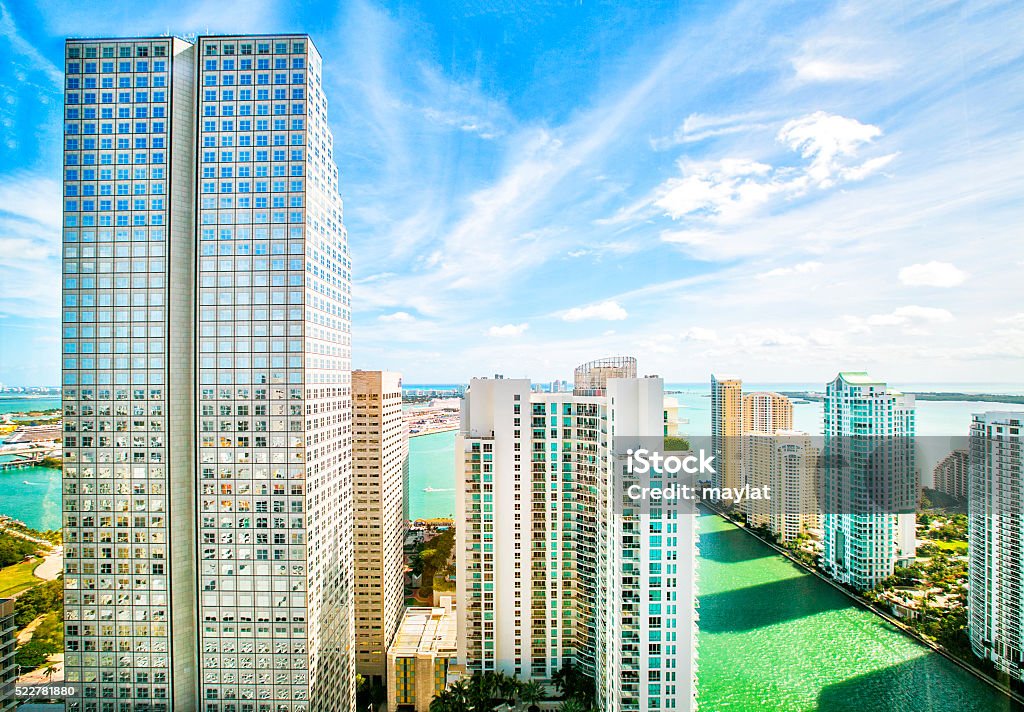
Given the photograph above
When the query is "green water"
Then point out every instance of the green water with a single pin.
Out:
(773, 637)
(32, 495)
(432, 475)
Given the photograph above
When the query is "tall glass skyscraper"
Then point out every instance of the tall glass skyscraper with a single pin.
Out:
(207, 394)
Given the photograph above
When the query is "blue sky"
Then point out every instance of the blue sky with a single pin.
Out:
(777, 189)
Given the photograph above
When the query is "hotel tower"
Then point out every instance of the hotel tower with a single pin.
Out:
(552, 569)
(207, 394)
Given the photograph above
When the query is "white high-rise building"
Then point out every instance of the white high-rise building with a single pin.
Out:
(207, 391)
(380, 452)
(869, 480)
(552, 569)
(995, 504)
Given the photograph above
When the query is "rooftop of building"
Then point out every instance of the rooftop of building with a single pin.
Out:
(426, 630)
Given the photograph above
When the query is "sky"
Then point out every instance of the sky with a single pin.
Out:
(780, 190)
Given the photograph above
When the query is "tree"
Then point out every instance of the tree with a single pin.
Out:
(676, 444)
(531, 693)
(572, 705)
(574, 684)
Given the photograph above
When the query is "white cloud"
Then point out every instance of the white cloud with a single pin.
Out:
(910, 314)
(699, 333)
(603, 311)
(728, 189)
(731, 190)
(399, 316)
(826, 139)
(932, 274)
(801, 268)
(508, 330)
(833, 59)
(700, 127)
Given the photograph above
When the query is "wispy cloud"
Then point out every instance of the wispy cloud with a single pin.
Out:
(602, 311)
(508, 330)
(837, 58)
(700, 127)
(932, 274)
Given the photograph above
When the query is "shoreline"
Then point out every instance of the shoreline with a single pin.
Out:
(933, 396)
(887, 617)
(434, 431)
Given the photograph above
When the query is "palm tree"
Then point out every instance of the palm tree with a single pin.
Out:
(506, 687)
(572, 705)
(532, 692)
(452, 699)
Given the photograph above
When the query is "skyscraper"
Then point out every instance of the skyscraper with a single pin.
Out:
(869, 480)
(207, 392)
(951, 474)
(551, 571)
(128, 337)
(765, 412)
(995, 507)
(726, 428)
(380, 451)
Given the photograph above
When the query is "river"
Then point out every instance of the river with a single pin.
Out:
(774, 637)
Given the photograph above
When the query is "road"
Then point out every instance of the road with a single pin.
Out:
(52, 566)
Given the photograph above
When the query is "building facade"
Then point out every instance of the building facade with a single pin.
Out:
(995, 613)
(869, 488)
(795, 472)
(951, 474)
(8, 648)
(380, 452)
(726, 428)
(550, 569)
(128, 377)
(422, 659)
(207, 395)
(765, 412)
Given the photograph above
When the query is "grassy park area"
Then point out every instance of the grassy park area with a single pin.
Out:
(16, 578)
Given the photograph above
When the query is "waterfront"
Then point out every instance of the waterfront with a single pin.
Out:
(24, 404)
(32, 495)
(432, 475)
(774, 637)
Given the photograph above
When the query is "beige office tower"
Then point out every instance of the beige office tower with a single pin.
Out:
(765, 412)
(726, 428)
(549, 571)
(379, 453)
(207, 390)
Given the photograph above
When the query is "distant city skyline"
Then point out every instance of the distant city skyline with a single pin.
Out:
(528, 188)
